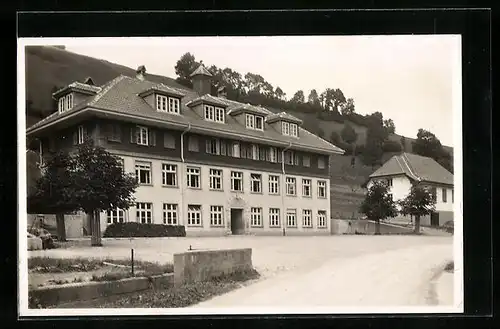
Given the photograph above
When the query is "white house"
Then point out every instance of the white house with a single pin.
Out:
(402, 170)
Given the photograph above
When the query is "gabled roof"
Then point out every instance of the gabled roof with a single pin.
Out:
(207, 99)
(78, 86)
(120, 96)
(201, 70)
(160, 87)
(416, 167)
(283, 116)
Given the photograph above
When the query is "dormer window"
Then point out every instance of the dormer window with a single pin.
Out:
(167, 104)
(285, 128)
(65, 103)
(254, 121)
(214, 113)
(289, 129)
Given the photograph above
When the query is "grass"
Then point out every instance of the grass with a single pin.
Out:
(63, 265)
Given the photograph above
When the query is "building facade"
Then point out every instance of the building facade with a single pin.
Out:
(401, 171)
(211, 164)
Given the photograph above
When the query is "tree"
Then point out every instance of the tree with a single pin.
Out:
(428, 145)
(334, 137)
(184, 67)
(279, 94)
(349, 136)
(331, 99)
(298, 97)
(375, 138)
(419, 202)
(347, 108)
(389, 126)
(403, 143)
(100, 184)
(313, 98)
(378, 204)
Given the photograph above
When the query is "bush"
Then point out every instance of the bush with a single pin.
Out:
(392, 146)
(135, 230)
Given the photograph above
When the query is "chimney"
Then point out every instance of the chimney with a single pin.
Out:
(221, 92)
(201, 79)
(140, 72)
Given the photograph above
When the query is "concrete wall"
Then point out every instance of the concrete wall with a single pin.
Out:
(368, 227)
(194, 266)
(73, 223)
(182, 196)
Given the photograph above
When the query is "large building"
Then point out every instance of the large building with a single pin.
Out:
(211, 164)
(400, 171)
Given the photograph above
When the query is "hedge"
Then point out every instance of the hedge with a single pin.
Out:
(131, 229)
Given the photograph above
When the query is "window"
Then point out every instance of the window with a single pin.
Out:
(272, 154)
(69, 101)
(236, 181)
(114, 133)
(81, 134)
(306, 218)
(173, 105)
(389, 182)
(170, 214)
(144, 212)
(262, 153)
(60, 105)
(143, 172)
(115, 216)
(215, 179)
(285, 128)
(167, 104)
(246, 151)
(216, 216)
(274, 184)
(321, 189)
(142, 135)
(168, 141)
(321, 218)
(306, 187)
(255, 217)
(121, 163)
(259, 122)
(321, 162)
(234, 150)
(290, 186)
(255, 152)
(294, 130)
(193, 144)
(274, 217)
(212, 146)
(215, 114)
(193, 177)
(445, 196)
(256, 183)
(250, 121)
(291, 158)
(291, 218)
(434, 194)
(389, 195)
(161, 103)
(452, 196)
(169, 174)
(194, 215)
(306, 161)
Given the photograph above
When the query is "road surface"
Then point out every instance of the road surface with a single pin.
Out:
(389, 278)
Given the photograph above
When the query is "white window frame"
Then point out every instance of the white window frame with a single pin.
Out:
(444, 195)
(274, 217)
(306, 186)
(255, 152)
(255, 178)
(170, 213)
(116, 215)
(161, 103)
(81, 135)
(273, 154)
(217, 216)
(194, 215)
(142, 211)
(193, 172)
(69, 101)
(143, 166)
(307, 218)
(166, 170)
(259, 119)
(236, 176)
(61, 104)
(290, 157)
(209, 112)
(274, 184)
(322, 187)
(173, 105)
(250, 121)
(256, 217)
(322, 219)
(142, 135)
(235, 150)
(212, 146)
(285, 128)
(291, 186)
(294, 130)
(291, 217)
(215, 177)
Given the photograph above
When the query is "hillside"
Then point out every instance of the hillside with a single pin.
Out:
(49, 67)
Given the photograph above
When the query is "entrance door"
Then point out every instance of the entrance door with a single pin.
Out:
(435, 219)
(237, 225)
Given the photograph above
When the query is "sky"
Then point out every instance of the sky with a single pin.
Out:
(414, 80)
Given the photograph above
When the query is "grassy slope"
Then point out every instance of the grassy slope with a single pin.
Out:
(47, 67)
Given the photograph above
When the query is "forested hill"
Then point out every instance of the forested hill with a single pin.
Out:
(50, 68)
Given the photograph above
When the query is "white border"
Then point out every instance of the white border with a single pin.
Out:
(22, 222)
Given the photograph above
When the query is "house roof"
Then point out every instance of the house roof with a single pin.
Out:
(416, 167)
(284, 116)
(201, 70)
(121, 96)
(87, 88)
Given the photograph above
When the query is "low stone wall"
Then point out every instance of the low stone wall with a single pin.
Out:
(53, 295)
(72, 223)
(35, 243)
(368, 227)
(193, 266)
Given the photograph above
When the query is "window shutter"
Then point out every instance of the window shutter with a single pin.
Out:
(280, 156)
(223, 147)
(152, 138)
(133, 135)
(208, 146)
(75, 137)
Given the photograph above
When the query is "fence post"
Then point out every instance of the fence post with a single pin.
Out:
(132, 259)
